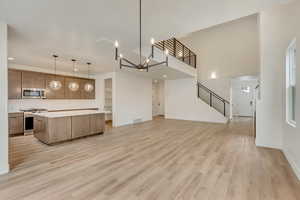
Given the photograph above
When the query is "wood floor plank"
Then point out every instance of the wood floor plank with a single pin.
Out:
(157, 160)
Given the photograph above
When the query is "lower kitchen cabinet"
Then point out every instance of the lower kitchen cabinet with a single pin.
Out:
(97, 123)
(80, 126)
(52, 130)
(15, 123)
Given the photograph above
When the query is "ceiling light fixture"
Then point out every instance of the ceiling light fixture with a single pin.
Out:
(142, 65)
(73, 86)
(88, 87)
(55, 84)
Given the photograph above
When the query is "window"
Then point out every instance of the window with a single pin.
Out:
(291, 84)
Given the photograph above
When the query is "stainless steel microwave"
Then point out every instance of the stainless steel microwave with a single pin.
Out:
(33, 93)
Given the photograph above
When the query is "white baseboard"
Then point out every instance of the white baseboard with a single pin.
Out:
(272, 146)
(4, 170)
(292, 162)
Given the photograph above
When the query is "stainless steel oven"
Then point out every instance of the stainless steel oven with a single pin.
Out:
(29, 119)
(33, 93)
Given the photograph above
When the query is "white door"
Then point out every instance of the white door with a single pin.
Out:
(243, 98)
(155, 100)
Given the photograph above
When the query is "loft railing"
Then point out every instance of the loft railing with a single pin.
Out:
(214, 100)
(178, 50)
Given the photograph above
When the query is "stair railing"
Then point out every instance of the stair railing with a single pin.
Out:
(211, 96)
(178, 50)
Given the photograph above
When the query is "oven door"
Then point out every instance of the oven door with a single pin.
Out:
(28, 123)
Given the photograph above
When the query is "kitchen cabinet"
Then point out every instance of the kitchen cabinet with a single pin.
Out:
(54, 127)
(18, 80)
(14, 84)
(33, 80)
(15, 123)
(85, 94)
(80, 126)
(69, 94)
(55, 94)
(52, 130)
(97, 123)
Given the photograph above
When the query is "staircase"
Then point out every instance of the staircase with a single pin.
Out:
(213, 100)
(188, 57)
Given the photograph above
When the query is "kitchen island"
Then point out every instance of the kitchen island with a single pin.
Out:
(54, 127)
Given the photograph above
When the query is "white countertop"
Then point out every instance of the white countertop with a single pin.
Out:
(69, 113)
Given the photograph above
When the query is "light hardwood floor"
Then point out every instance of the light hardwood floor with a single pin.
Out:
(161, 159)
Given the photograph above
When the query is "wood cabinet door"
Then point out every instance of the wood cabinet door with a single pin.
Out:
(85, 94)
(15, 125)
(69, 94)
(59, 129)
(55, 94)
(80, 126)
(33, 80)
(14, 84)
(97, 123)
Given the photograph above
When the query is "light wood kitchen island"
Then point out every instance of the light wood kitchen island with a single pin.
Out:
(54, 127)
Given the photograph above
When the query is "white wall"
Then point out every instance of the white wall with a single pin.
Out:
(181, 102)
(230, 50)
(278, 27)
(4, 166)
(16, 105)
(132, 98)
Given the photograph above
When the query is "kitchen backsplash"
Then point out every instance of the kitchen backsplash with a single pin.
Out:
(16, 105)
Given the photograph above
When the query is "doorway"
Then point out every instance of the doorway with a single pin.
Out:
(243, 96)
(108, 102)
(158, 95)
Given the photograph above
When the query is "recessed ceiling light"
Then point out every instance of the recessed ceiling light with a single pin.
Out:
(10, 58)
(165, 76)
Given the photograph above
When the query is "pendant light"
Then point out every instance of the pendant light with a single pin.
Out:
(73, 86)
(88, 87)
(55, 84)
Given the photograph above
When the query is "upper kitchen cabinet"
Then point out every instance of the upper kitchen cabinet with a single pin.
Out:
(33, 80)
(55, 94)
(72, 93)
(14, 84)
(87, 94)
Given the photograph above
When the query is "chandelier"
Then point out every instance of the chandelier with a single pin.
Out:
(142, 65)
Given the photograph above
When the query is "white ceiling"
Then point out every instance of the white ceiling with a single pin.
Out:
(86, 29)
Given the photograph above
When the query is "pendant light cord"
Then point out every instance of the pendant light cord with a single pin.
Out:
(73, 60)
(55, 59)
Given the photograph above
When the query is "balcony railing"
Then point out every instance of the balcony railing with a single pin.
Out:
(178, 50)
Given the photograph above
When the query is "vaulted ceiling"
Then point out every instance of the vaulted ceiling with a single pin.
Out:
(86, 29)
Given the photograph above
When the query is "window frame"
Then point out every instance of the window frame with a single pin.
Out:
(291, 68)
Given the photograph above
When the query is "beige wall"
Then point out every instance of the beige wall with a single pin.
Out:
(278, 27)
(230, 49)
